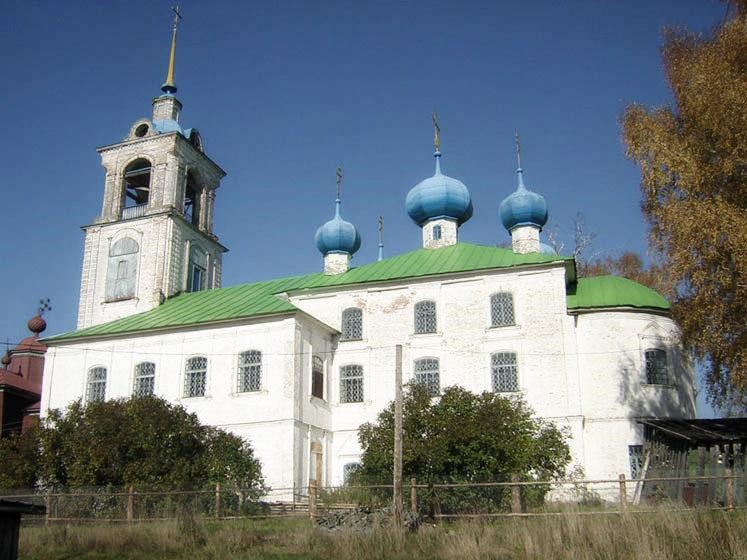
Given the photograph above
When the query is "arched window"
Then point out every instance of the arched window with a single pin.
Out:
(197, 269)
(427, 373)
(250, 371)
(504, 372)
(195, 376)
(352, 324)
(145, 379)
(657, 368)
(436, 232)
(317, 377)
(192, 200)
(502, 310)
(121, 275)
(425, 317)
(136, 188)
(96, 387)
(351, 384)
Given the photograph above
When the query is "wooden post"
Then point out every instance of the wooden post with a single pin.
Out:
(413, 495)
(700, 497)
(398, 513)
(48, 501)
(731, 491)
(218, 502)
(623, 495)
(130, 504)
(312, 498)
(515, 495)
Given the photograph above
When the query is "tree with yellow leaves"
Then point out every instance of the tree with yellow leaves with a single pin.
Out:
(693, 160)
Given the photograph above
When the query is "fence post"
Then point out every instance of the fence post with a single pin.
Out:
(48, 501)
(731, 491)
(515, 495)
(312, 498)
(623, 495)
(130, 504)
(218, 503)
(413, 495)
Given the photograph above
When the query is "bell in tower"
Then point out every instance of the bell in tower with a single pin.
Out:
(154, 237)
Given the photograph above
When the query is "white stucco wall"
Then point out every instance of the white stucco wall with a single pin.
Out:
(584, 372)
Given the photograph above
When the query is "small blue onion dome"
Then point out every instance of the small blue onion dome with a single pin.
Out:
(337, 235)
(439, 197)
(546, 249)
(523, 207)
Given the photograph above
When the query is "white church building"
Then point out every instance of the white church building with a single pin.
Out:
(296, 365)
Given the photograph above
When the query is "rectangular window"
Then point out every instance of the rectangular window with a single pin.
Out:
(351, 384)
(635, 455)
(195, 377)
(425, 317)
(427, 373)
(250, 371)
(657, 369)
(501, 310)
(145, 379)
(96, 390)
(352, 324)
(197, 278)
(317, 377)
(505, 374)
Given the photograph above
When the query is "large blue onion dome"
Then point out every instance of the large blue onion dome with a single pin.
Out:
(439, 197)
(523, 207)
(337, 235)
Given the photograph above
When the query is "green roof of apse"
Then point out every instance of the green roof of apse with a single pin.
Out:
(260, 298)
(599, 292)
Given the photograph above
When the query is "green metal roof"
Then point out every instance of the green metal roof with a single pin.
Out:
(614, 291)
(261, 298)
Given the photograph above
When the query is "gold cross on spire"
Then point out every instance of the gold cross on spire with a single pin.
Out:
(177, 16)
(339, 181)
(436, 132)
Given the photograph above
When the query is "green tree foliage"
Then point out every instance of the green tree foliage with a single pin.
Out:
(693, 158)
(145, 442)
(463, 437)
(20, 457)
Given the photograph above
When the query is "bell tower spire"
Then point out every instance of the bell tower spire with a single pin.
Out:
(169, 86)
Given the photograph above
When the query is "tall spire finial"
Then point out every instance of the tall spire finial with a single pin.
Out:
(169, 87)
(519, 170)
(381, 238)
(338, 180)
(518, 150)
(436, 132)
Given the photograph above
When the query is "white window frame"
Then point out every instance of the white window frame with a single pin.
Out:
(350, 315)
(667, 365)
(506, 301)
(420, 317)
(92, 385)
(426, 377)
(346, 379)
(139, 376)
(247, 365)
(495, 380)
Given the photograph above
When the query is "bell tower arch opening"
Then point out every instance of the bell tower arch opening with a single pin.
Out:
(191, 203)
(136, 188)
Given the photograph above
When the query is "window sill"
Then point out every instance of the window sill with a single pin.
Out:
(249, 394)
(427, 334)
(197, 397)
(120, 300)
(363, 403)
(316, 401)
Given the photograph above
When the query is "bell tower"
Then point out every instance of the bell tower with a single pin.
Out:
(154, 237)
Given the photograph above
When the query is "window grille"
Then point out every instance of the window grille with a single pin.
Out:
(425, 317)
(352, 324)
(317, 377)
(351, 384)
(348, 470)
(502, 310)
(426, 373)
(635, 455)
(436, 232)
(657, 369)
(195, 377)
(250, 371)
(145, 379)
(96, 390)
(505, 373)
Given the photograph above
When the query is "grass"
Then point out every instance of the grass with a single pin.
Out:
(646, 536)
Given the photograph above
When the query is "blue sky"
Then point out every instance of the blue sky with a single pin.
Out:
(283, 92)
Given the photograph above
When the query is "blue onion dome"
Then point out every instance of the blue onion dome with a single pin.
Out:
(523, 207)
(439, 197)
(337, 235)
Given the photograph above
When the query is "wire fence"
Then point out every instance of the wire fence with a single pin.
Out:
(437, 501)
